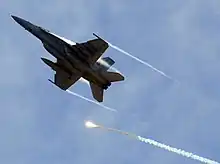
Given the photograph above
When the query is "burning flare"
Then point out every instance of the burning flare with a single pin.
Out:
(90, 124)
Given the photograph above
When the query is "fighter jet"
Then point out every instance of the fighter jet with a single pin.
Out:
(75, 60)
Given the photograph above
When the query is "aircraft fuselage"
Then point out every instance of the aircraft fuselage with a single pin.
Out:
(74, 60)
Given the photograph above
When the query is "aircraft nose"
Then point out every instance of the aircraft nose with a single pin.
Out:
(14, 17)
(27, 25)
(19, 20)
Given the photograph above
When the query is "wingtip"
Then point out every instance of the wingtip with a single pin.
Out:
(51, 81)
(99, 37)
(96, 35)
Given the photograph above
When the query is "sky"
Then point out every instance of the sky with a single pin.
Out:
(40, 123)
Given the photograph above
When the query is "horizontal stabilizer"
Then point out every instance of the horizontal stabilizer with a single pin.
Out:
(97, 92)
(113, 76)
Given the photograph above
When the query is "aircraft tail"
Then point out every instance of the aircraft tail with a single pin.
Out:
(113, 76)
(97, 92)
(109, 61)
(106, 63)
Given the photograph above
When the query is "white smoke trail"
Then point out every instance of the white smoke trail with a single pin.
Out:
(141, 61)
(89, 100)
(177, 151)
(90, 124)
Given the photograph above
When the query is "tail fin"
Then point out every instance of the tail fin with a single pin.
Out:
(106, 63)
(97, 92)
(109, 61)
(113, 76)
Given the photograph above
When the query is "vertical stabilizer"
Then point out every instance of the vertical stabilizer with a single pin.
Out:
(105, 63)
(97, 92)
(109, 61)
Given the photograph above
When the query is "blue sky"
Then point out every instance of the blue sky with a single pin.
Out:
(41, 124)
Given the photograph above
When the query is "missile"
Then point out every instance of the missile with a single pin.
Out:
(55, 84)
(97, 36)
(51, 81)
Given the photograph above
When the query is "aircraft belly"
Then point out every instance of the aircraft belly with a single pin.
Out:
(73, 60)
(95, 77)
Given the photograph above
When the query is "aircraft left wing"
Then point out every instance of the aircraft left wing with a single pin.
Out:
(92, 48)
(64, 81)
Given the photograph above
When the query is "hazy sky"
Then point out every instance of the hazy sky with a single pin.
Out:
(40, 124)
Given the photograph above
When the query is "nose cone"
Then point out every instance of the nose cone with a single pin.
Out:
(21, 21)
(17, 19)
(27, 25)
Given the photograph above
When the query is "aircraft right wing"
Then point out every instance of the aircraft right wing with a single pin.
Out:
(100, 47)
(93, 49)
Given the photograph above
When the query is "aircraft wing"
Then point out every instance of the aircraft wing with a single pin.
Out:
(93, 48)
(64, 80)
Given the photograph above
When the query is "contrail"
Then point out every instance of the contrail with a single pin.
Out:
(177, 151)
(89, 100)
(141, 61)
(90, 124)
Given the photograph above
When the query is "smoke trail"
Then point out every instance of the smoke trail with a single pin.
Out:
(177, 151)
(89, 100)
(90, 124)
(141, 61)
